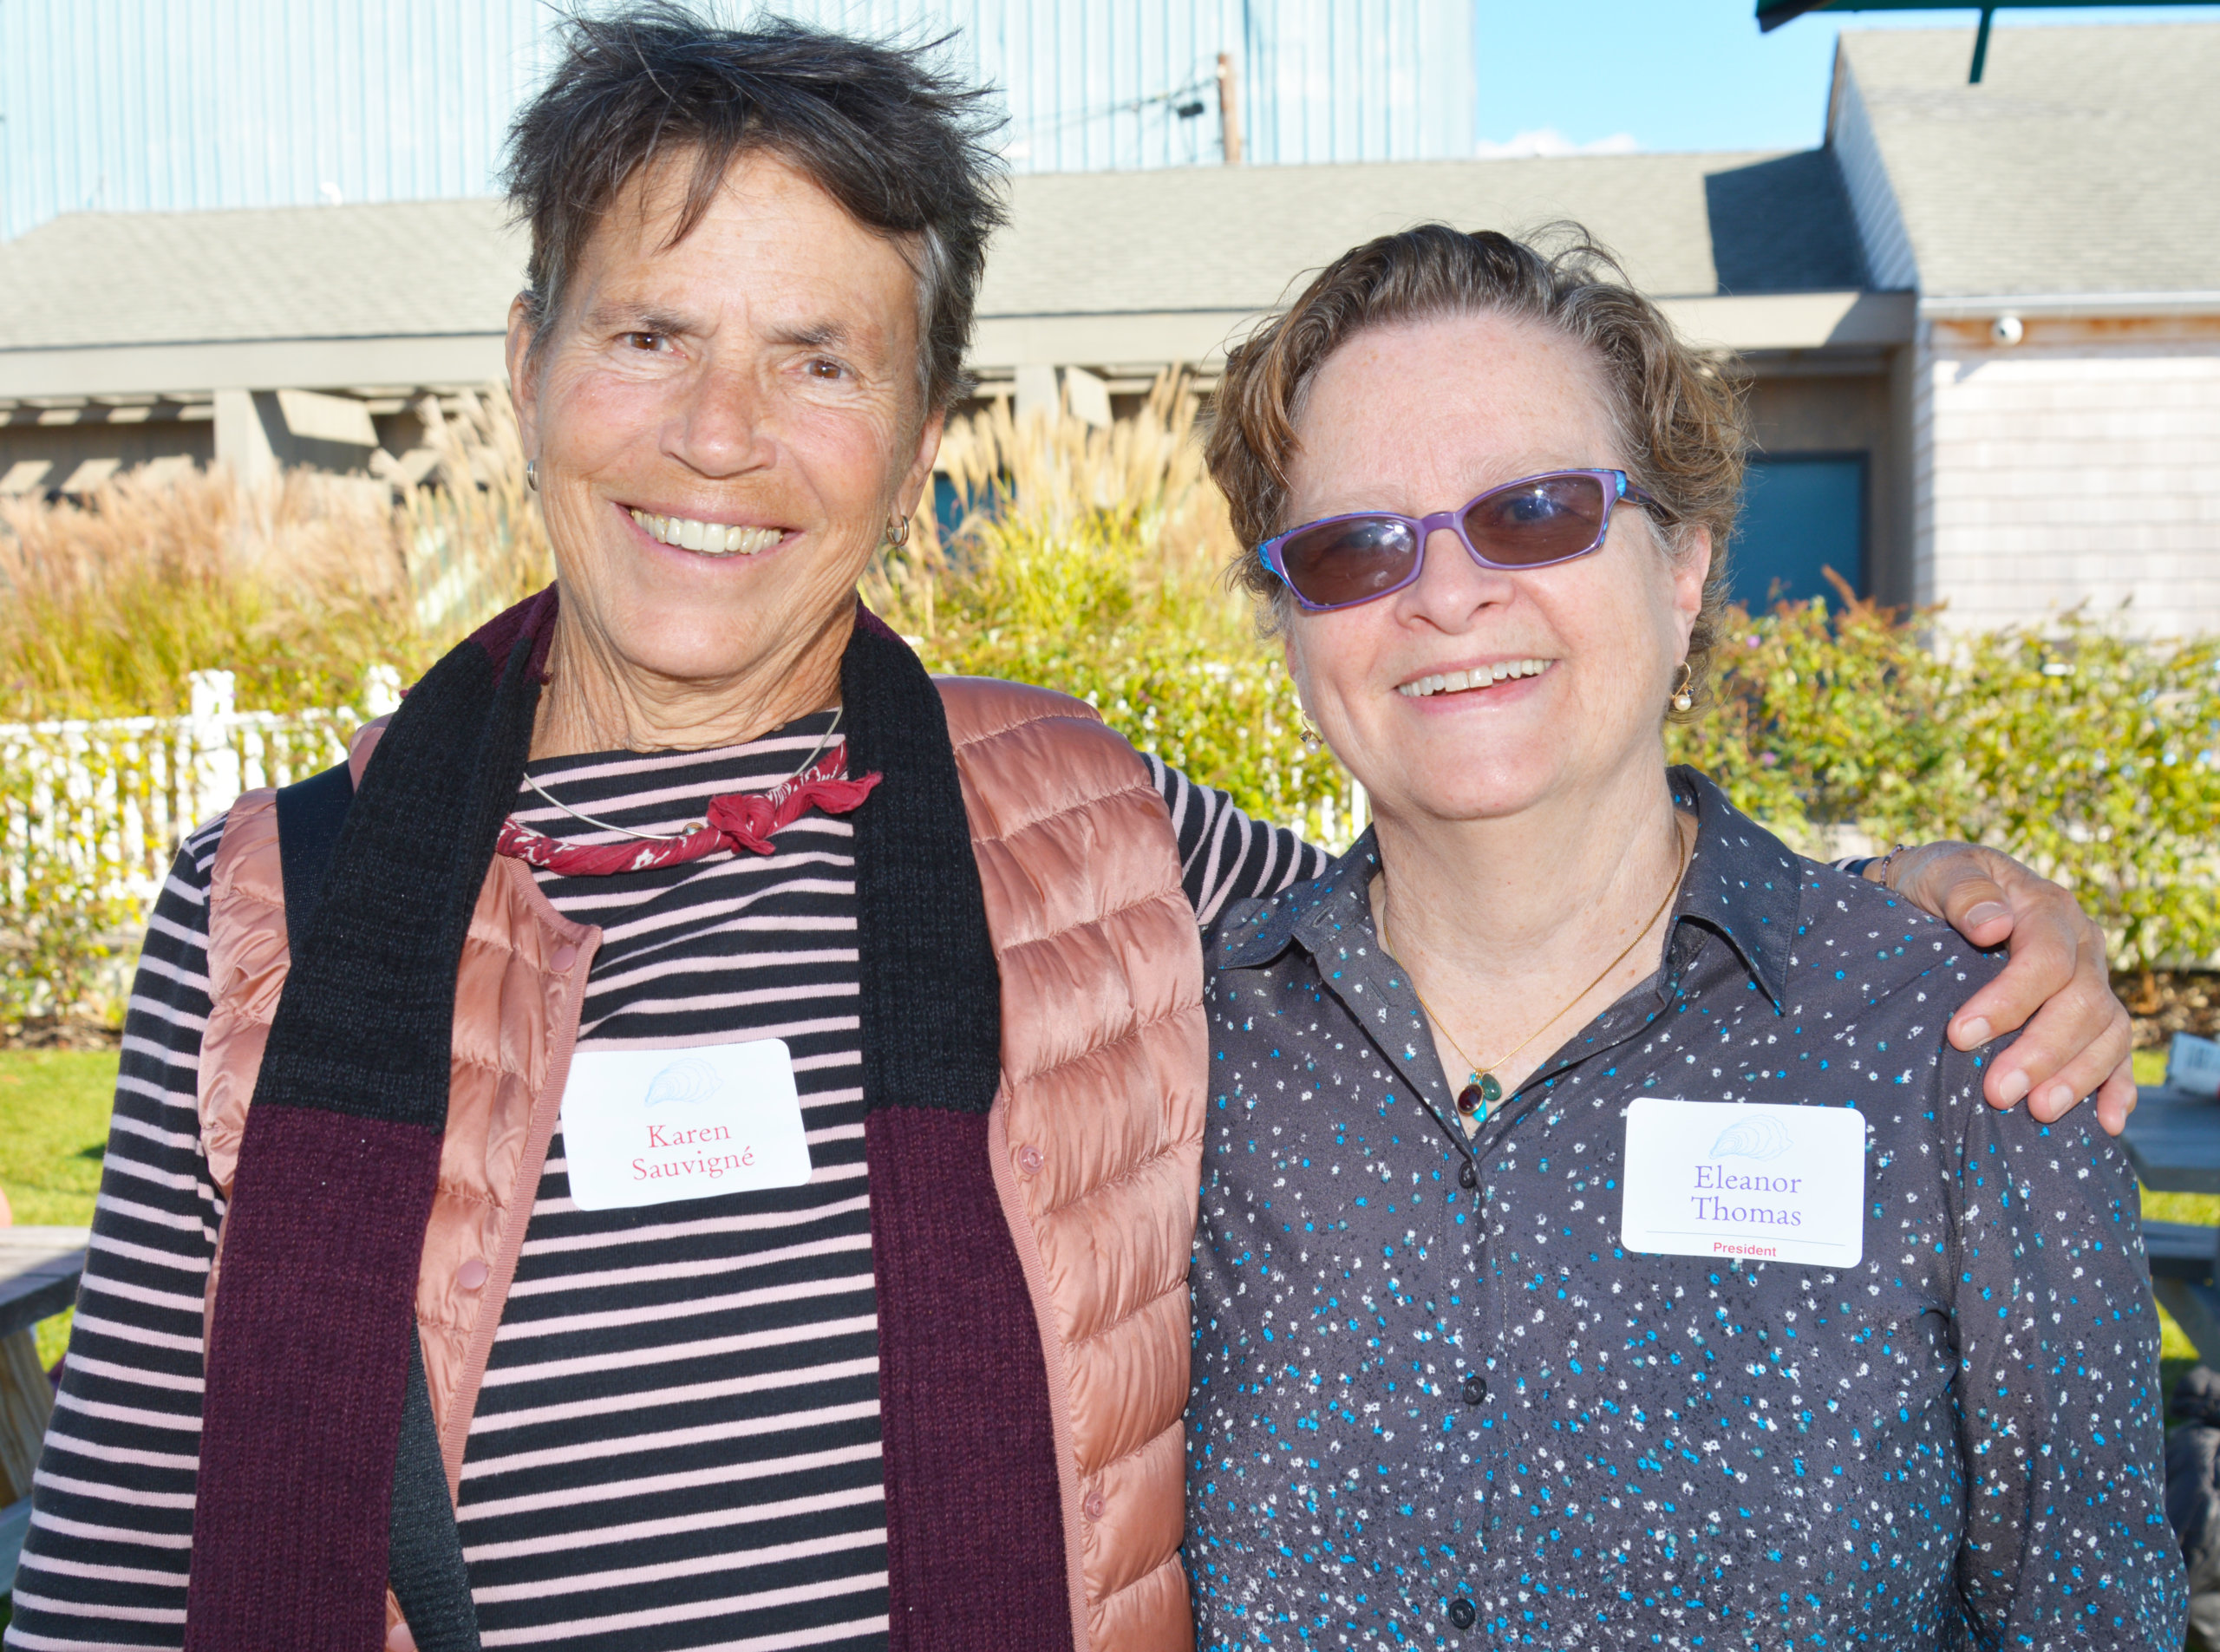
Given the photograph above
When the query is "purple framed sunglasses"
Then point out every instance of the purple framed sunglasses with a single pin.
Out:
(1533, 522)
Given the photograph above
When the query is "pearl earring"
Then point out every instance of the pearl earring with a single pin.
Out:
(1683, 698)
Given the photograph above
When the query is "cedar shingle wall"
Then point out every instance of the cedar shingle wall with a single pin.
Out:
(2044, 476)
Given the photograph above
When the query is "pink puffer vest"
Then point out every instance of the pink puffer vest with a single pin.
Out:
(1096, 1130)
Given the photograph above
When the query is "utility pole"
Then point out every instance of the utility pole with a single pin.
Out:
(1229, 108)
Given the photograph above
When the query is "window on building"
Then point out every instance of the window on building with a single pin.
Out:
(1801, 513)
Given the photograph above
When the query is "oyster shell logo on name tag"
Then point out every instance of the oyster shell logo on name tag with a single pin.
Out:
(1751, 1180)
(653, 1126)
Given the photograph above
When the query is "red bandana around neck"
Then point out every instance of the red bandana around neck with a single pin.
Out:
(736, 821)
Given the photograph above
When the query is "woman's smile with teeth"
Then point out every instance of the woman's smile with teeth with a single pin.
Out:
(1480, 676)
(716, 538)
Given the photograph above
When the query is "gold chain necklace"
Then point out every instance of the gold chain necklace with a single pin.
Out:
(1483, 1089)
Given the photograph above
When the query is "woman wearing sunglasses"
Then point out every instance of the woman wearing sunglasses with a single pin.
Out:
(1601, 1239)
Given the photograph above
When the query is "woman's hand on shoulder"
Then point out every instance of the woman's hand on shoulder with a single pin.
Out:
(2077, 1039)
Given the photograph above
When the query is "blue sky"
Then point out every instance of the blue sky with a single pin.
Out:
(1689, 73)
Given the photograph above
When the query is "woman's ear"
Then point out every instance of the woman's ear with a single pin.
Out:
(1691, 572)
(523, 382)
(920, 474)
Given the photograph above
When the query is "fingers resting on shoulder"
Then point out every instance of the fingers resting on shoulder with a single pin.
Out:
(2075, 1039)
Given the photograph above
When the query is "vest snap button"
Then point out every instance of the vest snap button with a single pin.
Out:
(565, 956)
(1030, 1160)
(472, 1274)
(1091, 1505)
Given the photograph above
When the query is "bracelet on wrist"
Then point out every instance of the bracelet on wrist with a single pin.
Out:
(1888, 862)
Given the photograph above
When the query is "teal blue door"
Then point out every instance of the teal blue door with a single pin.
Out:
(1801, 513)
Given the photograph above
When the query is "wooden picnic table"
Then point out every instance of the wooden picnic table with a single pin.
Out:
(38, 1278)
(2173, 1141)
(38, 1273)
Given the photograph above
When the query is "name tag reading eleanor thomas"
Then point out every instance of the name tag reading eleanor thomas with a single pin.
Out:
(1743, 1180)
(647, 1127)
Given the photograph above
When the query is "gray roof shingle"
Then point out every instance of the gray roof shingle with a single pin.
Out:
(1223, 238)
(403, 269)
(2086, 161)
(1206, 238)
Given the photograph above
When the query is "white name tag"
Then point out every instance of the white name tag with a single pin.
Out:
(647, 1126)
(2193, 1063)
(1744, 1180)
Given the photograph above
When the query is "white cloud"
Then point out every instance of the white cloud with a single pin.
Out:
(1548, 140)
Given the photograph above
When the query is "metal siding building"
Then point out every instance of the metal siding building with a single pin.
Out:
(162, 104)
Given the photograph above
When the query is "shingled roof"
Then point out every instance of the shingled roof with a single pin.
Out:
(1205, 240)
(2087, 160)
(415, 269)
(1220, 238)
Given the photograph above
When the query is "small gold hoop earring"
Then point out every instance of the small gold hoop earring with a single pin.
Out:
(531, 474)
(898, 530)
(1684, 697)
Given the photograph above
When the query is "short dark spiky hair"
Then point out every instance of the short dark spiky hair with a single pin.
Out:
(896, 142)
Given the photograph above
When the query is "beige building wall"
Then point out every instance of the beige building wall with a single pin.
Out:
(2079, 465)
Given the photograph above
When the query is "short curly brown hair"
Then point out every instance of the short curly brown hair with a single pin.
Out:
(1678, 417)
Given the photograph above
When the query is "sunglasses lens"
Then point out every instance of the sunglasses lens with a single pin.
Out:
(1337, 562)
(1547, 519)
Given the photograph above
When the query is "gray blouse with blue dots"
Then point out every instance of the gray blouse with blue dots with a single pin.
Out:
(1438, 1403)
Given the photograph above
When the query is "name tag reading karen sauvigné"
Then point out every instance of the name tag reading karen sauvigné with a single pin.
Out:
(647, 1126)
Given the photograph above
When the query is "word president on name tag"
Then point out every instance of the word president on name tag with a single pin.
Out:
(648, 1126)
(1770, 1183)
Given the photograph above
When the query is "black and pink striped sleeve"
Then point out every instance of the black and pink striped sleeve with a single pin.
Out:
(1224, 855)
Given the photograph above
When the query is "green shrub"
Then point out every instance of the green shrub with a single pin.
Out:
(2084, 752)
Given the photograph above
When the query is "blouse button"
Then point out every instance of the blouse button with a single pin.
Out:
(1462, 1613)
(472, 1274)
(1030, 1160)
(1476, 1390)
(1467, 1176)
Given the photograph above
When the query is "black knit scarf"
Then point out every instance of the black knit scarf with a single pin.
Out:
(309, 1356)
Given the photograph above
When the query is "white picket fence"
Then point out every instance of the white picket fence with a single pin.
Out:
(113, 797)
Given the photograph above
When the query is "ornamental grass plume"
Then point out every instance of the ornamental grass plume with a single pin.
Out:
(1091, 560)
(107, 603)
(475, 541)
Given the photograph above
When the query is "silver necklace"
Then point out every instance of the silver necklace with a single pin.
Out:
(691, 826)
